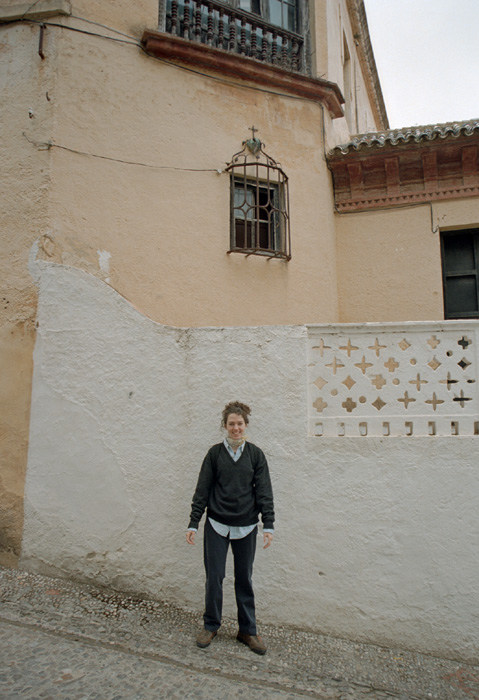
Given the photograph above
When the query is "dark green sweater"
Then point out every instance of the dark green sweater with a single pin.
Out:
(234, 492)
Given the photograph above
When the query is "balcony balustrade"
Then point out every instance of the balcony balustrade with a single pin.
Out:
(230, 29)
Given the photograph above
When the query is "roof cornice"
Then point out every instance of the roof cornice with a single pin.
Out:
(406, 166)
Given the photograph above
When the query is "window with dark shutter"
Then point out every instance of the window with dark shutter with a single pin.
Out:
(460, 263)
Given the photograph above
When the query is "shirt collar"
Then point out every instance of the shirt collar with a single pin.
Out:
(236, 455)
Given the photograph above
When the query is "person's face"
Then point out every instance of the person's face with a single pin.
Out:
(235, 426)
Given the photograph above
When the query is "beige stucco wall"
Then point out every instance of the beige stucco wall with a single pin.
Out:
(330, 56)
(150, 229)
(26, 112)
(165, 229)
(389, 262)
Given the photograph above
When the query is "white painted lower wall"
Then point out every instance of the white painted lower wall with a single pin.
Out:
(376, 537)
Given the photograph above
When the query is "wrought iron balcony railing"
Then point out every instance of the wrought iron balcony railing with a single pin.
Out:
(221, 26)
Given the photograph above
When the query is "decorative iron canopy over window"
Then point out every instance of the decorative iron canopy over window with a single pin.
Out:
(259, 203)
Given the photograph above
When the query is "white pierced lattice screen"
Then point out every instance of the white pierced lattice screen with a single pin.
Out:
(393, 379)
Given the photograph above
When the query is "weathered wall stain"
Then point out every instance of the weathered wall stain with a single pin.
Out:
(11, 522)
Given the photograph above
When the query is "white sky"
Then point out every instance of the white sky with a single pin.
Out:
(427, 56)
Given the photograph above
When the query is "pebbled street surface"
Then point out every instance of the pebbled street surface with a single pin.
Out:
(61, 640)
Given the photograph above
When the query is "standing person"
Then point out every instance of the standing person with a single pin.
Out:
(235, 487)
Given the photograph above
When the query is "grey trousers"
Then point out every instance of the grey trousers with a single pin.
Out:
(215, 552)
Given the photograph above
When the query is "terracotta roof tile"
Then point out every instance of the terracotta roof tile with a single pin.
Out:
(413, 134)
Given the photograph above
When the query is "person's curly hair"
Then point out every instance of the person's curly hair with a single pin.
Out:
(241, 409)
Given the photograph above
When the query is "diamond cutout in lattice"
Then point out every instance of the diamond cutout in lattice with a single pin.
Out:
(349, 382)
(464, 364)
(320, 382)
(434, 363)
(379, 403)
(404, 345)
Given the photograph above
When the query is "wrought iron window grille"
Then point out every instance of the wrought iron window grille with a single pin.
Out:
(222, 26)
(259, 203)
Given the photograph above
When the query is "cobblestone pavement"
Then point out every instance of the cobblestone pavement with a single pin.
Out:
(69, 641)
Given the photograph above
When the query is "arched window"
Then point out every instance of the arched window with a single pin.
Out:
(259, 203)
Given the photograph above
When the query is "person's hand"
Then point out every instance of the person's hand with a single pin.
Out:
(267, 539)
(190, 536)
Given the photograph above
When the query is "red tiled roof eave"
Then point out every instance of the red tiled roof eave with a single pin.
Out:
(414, 134)
(406, 166)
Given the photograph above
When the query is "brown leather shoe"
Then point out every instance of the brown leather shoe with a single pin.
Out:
(254, 642)
(205, 637)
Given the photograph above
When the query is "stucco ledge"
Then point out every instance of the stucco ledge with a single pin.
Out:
(38, 10)
(183, 51)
